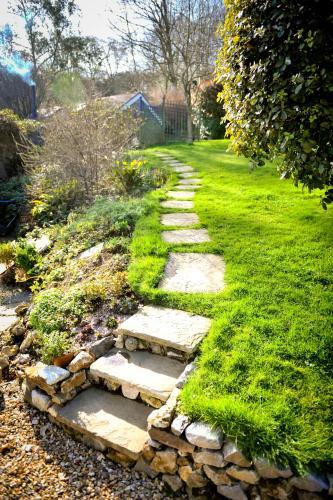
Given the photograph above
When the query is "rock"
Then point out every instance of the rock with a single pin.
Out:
(154, 444)
(61, 399)
(156, 349)
(234, 455)
(179, 424)
(202, 435)
(119, 343)
(39, 400)
(150, 400)
(81, 361)
(234, 492)
(170, 440)
(99, 348)
(40, 244)
(183, 461)
(162, 418)
(28, 341)
(4, 363)
(148, 453)
(91, 252)
(267, 470)
(18, 329)
(120, 458)
(129, 391)
(175, 355)
(190, 236)
(165, 461)
(7, 321)
(184, 376)
(246, 475)
(131, 344)
(330, 480)
(48, 374)
(142, 466)
(193, 478)
(309, 482)
(9, 350)
(217, 476)
(180, 219)
(207, 457)
(21, 309)
(75, 381)
(112, 386)
(173, 481)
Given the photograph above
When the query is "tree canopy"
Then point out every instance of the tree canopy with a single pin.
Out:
(275, 66)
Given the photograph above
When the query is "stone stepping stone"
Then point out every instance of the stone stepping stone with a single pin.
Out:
(179, 219)
(188, 182)
(186, 236)
(184, 205)
(182, 186)
(185, 168)
(186, 175)
(193, 273)
(169, 327)
(117, 422)
(148, 373)
(179, 195)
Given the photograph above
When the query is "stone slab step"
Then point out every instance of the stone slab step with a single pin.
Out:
(180, 219)
(186, 236)
(186, 175)
(184, 205)
(182, 186)
(189, 181)
(178, 195)
(185, 168)
(169, 327)
(193, 272)
(149, 373)
(117, 422)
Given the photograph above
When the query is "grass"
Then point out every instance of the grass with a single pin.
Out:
(265, 368)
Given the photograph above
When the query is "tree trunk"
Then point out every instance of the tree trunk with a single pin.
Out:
(189, 118)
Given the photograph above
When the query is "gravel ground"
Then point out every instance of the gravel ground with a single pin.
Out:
(39, 461)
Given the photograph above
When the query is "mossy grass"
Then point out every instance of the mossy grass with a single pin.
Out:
(265, 368)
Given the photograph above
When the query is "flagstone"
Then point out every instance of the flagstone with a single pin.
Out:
(193, 272)
(177, 204)
(186, 175)
(179, 219)
(182, 169)
(182, 187)
(186, 236)
(189, 181)
(179, 195)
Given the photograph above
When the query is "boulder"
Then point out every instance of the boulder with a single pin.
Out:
(165, 461)
(170, 440)
(202, 435)
(266, 470)
(173, 481)
(40, 400)
(234, 455)
(129, 391)
(81, 361)
(193, 478)
(208, 457)
(309, 482)
(131, 344)
(101, 347)
(217, 476)
(242, 474)
(233, 492)
(179, 424)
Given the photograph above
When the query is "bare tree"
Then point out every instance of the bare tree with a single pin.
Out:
(177, 37)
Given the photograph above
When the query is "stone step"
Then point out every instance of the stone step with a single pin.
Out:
(193, 272)
(169, 327)
(180, 219)
(109, 419)
(184, 169)
(184, 205)
(189, 181)
(186, 236)
(153, 375)
(186, 187)
(178, 195)
(186, 175)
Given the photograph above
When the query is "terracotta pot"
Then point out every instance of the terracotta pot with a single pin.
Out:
(63, 360)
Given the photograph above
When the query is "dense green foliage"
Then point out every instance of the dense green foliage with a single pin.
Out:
(211, 114)
(265, 370)
(276, 70)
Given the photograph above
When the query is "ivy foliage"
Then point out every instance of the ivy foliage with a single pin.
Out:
(212, 116)
(275, 67)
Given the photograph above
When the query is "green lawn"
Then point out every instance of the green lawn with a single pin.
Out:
(265, 369)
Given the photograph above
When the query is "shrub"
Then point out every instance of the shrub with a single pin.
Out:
(27, 258)
(53, 344)
(133, 176)
(211, 113)
(275, 69)
(79, 154)
(7, 253)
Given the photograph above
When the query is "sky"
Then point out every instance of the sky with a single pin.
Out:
(94, 18)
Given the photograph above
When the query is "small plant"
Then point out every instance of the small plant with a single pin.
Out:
(52, 345)
(7, 253)
(27, 258)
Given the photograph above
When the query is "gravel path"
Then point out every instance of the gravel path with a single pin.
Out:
(39, 461)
